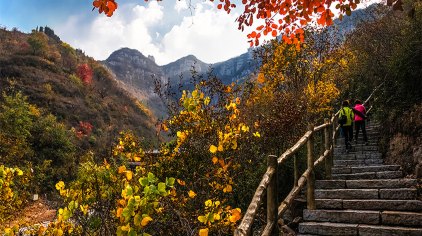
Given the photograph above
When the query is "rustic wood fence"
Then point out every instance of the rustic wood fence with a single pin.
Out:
(268, 183)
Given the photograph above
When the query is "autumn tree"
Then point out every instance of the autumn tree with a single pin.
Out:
(39, 43)
(84, 72)
(69, 57)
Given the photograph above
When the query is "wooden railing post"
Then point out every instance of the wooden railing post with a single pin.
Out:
(327, 147)
(311, 180)
(272, 207)
(296, 169)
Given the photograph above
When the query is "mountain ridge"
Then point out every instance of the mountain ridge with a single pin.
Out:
(137, 77)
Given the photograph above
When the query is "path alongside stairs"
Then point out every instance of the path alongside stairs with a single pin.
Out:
(365, 197)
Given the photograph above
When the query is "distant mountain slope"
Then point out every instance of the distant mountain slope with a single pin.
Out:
(49, 79)
(137, 72)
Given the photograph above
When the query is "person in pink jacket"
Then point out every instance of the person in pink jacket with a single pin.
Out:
(360, 116)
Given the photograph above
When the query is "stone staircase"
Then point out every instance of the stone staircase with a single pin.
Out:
(364, 197)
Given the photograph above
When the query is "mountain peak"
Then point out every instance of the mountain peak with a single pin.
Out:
(126, 51)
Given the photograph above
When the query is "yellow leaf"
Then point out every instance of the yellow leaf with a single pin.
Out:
(238, 100)
(7, 231)
(208, 203)
(125, 228)
(256, 134)
(202, 219)
(59, 232)
(214, 160)
(216, 216)
(213, 149)
(234, 146)
(136, 158)
(220, 148)
(191, 194)
(235, 216)
(203, 232)
(164, 127)
(119, 212)
(261, 78)
(60, 185)
(228, 188)
(207, 101)
(146, 220)
(129, 175)
(181, 182)
(121, 169)
(84, 209)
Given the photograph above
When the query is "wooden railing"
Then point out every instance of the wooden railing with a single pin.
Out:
(268, 183)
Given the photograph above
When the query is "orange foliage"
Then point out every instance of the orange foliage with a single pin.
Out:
(106, 6)
(287, 17)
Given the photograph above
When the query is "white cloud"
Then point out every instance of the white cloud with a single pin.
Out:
(180, 5)
(209, 34)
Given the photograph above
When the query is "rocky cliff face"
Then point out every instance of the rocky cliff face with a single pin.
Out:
(237, 68)
(137, 74)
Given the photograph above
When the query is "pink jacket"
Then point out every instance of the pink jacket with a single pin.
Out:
(360, 108)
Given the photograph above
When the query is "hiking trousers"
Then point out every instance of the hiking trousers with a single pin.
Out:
(360, 125)
(348, 135)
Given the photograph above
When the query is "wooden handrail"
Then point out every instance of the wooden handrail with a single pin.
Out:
(245, 226)
(306, 178)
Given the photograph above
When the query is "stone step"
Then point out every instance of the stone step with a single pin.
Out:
(366, 162)
(381, 183)
(370, 175)
(346, 193)
(370, 204)
(397, 193)
(370, 183)
(362, 169)
(401, 218)
(382, 230)
(342, 216)
(327, 228)
(354, 149)
(359, 156)
(372, 137)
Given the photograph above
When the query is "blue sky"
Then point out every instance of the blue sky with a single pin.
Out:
(166, 30)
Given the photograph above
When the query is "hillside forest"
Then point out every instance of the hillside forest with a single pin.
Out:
(71, 134)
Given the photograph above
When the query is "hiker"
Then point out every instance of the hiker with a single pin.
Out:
(346, 120)
(360, 116)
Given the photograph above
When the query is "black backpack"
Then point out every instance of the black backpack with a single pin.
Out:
(343, 118)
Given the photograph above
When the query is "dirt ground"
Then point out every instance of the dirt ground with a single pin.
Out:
(36, 212)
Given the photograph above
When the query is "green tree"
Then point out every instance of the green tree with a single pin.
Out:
(54, 152)
(39, 43)
(16, 119)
